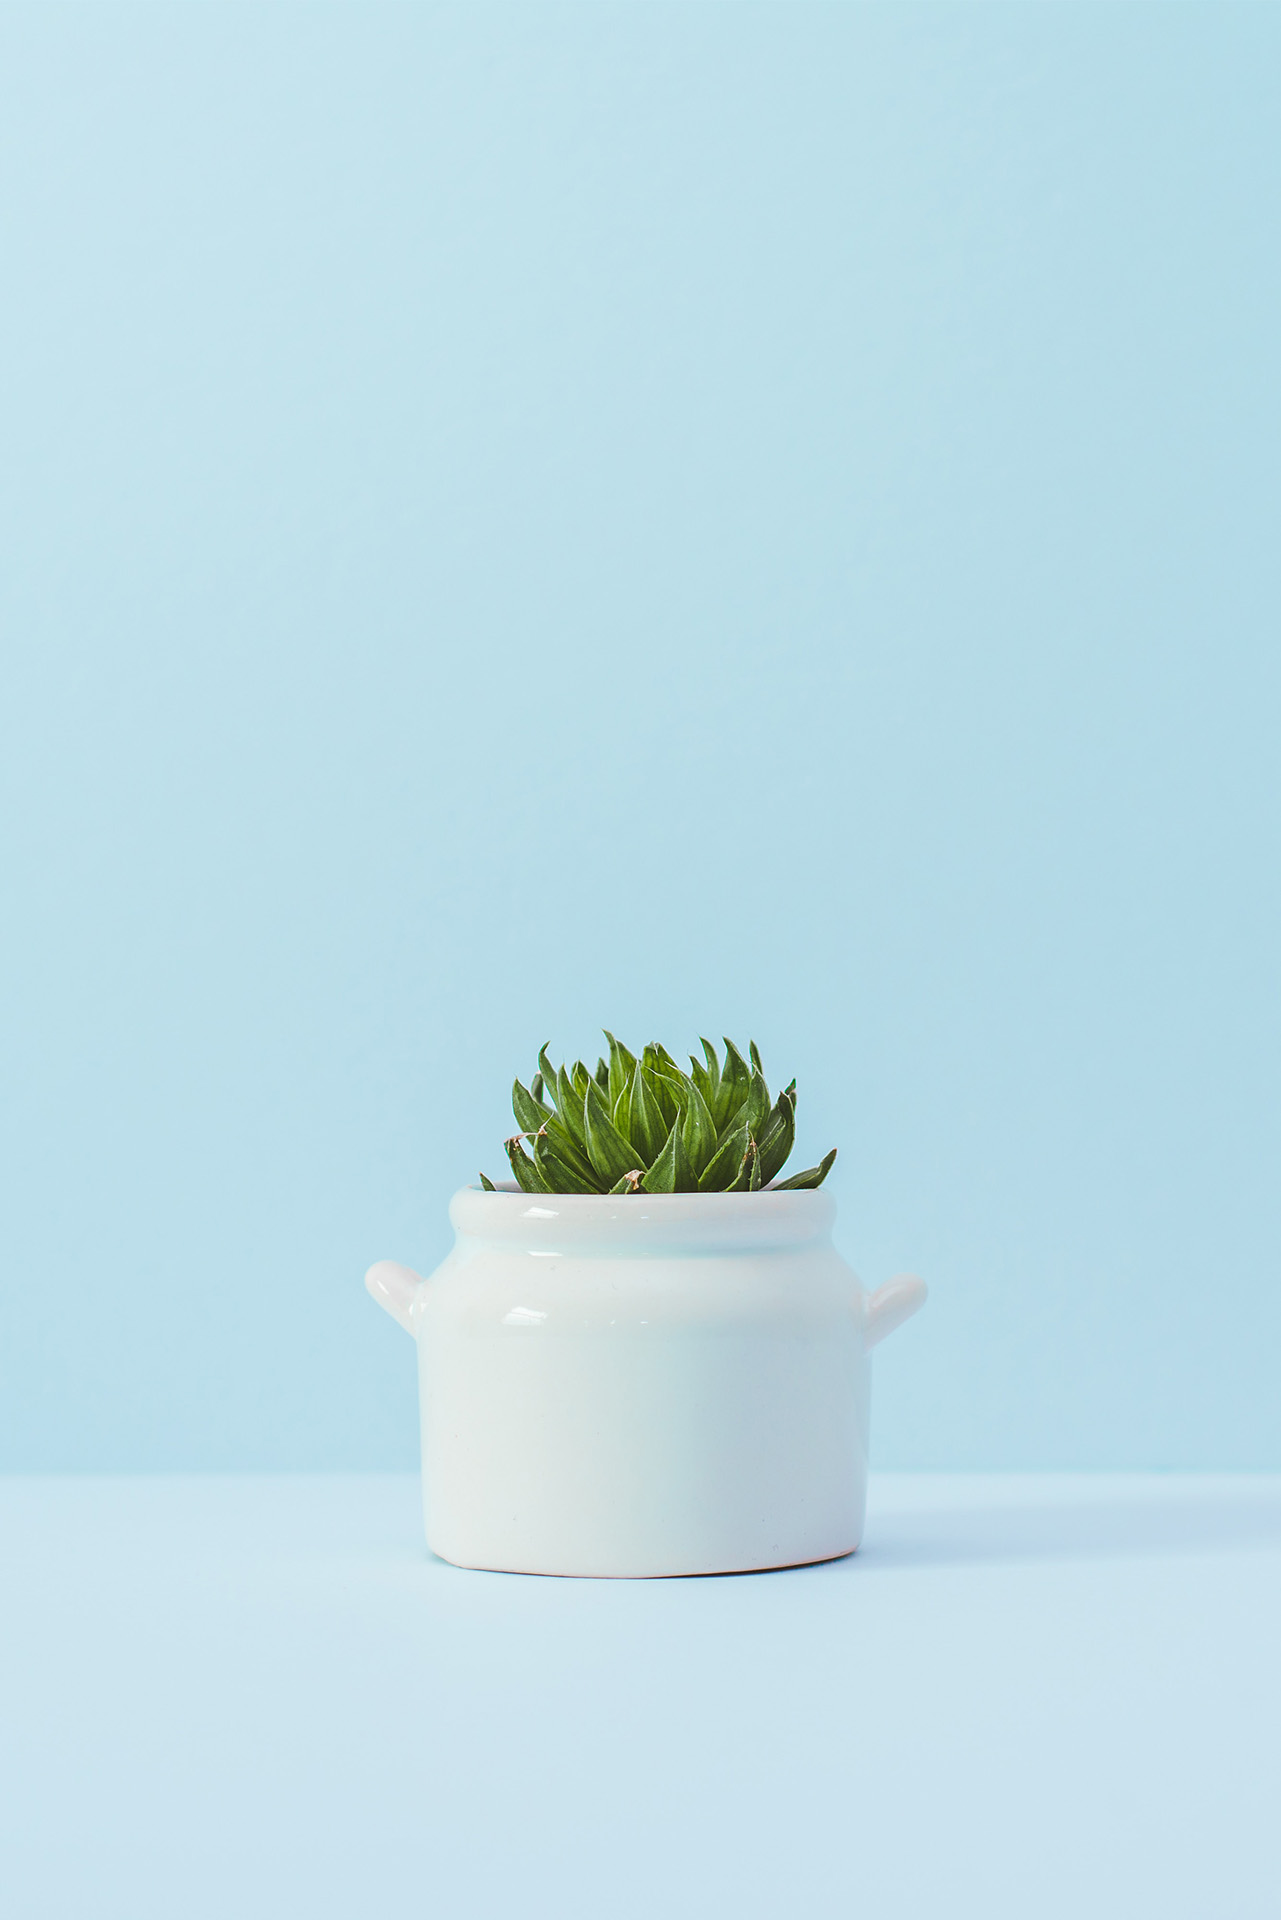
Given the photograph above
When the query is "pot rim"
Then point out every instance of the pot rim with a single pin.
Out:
(644, 1223)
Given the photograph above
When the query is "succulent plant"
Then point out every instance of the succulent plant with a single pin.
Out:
(640, 1124)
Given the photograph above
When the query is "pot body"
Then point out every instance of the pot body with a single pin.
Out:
(642, 1385)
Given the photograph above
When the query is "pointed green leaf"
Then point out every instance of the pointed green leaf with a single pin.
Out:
(736, 1077)
(698, 1133)
(528, 1177)
(621, 1112)
(722, 1169)
(548, 1071)
(671, 1172)
(743, 1178)
(754, 1109)
(487, 1184)
(686, 1178)
(707, 1078)
(669, 1081)
(536, 1088)
(529, 1115)
(601, 1077)
(579, 1078)
(553, 1170)
(675, 1091)
(777, 1136)
(754, 1051)
(698, 1075)
(812, 1176)
(646, 1127)
(560, 1175)
(570, 1107)
(658, 1086)
(661, 1177)
(622, 1064)
(612, 1156)
(678, 1080)
(562, 1143)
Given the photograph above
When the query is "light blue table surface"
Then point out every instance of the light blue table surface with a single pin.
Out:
(1032, 1696)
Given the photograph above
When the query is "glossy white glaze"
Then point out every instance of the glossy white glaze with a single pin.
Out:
(640, 1386)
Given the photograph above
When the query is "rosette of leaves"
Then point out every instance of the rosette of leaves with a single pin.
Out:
(641, 1124)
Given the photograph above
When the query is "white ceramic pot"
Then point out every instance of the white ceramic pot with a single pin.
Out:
(666, 1384)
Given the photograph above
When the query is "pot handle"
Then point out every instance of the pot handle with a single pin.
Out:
(890, 1306)
(395, 1288)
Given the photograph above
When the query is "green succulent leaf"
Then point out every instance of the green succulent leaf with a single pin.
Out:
(671, 1079)
(561, 1175)
(621, 1112)
(574, 1159)
(612, 1155)
(622, 1064)
(658, 1086)
(529, 1114)
(743, 1178)
(667, 1086)
(778, 1135)
(671, 1172)
(645, 1126)
(569, 1105)
(705, 1078)
(698, 1131)
(736, 1077)
(661, 1177)
(528, 1176)
(719, 1174)
(640, 1123)
(812, 1176)
(752, 1114)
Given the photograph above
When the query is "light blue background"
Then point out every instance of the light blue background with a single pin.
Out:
(694, 518)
